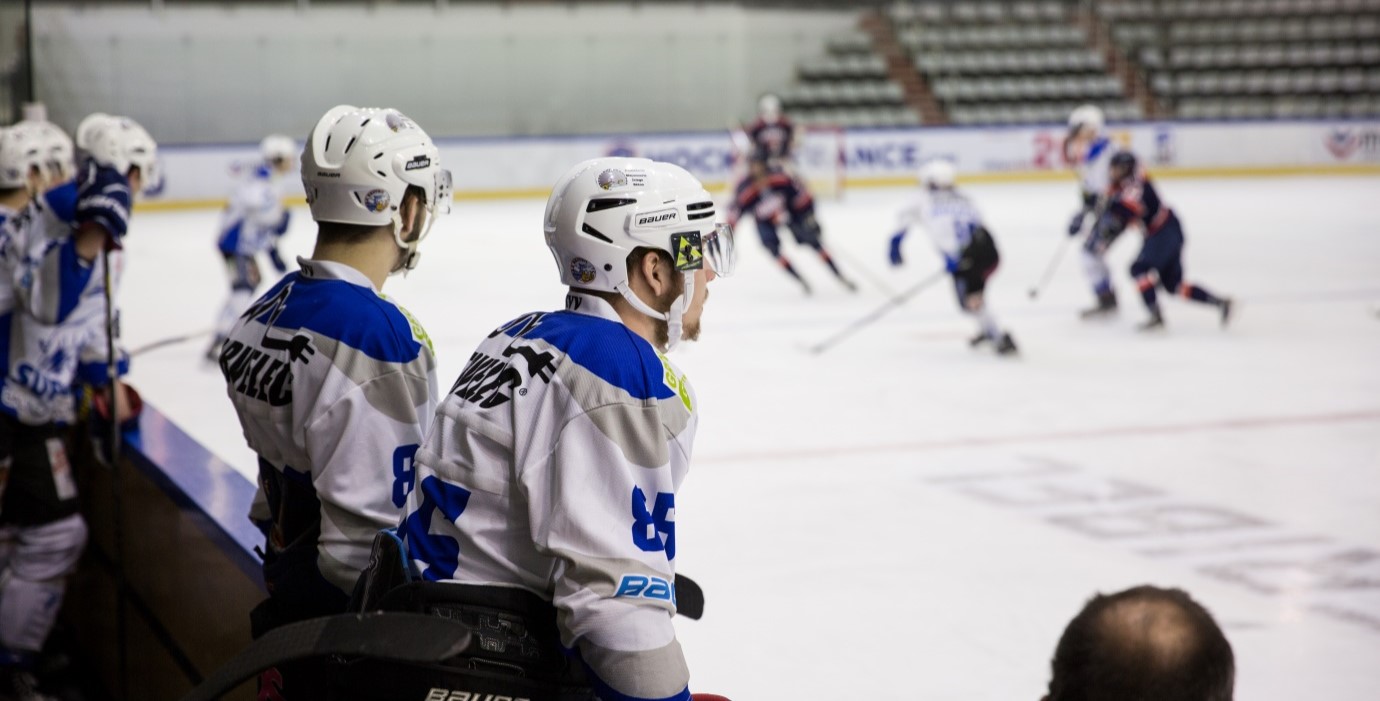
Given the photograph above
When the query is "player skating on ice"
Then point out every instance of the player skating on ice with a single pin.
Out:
(772, 134)
(772, 196)
(335, 384)
(546, 489)
(1089, 149)
(53, 296)
(1132, 200)
(969, 251)
(251, 224)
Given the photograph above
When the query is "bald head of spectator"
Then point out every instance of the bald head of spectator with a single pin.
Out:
(1142, 644)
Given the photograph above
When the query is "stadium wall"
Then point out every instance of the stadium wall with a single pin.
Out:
(527, 167)
(227, 72)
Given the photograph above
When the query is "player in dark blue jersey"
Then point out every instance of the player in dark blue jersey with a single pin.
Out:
(772, 196)
(1132, 200)
(772, 133)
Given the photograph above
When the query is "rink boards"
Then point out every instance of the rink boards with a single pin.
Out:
(187, 549)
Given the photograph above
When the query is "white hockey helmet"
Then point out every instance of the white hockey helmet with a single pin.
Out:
(278, 147)
(603, 209)
(1087, 116)
(769, 107)
(938, 172)
(358, 163)
(120, 143)
(21, 151)
(60, 154)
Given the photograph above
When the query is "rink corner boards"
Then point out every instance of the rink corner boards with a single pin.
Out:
(1022, 176)
(178, 565)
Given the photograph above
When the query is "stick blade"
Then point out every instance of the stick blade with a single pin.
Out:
(689, 598)
(397, 637)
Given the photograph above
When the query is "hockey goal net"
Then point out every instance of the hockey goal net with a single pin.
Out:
(819, 159)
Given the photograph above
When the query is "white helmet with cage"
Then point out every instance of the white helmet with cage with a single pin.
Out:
(120, 143)
(277, 147)
(358, 164)
(1087, 117)
(603, 209)
(938, 172)
(22, 151)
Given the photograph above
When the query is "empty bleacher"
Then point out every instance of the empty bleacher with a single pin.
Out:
(1213, 59)
(847, 86)
(1007, 62)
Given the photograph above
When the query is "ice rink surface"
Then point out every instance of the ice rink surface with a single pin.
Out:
(903, 517)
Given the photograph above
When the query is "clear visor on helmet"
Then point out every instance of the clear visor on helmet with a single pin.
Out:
(692, 250)
(443, 194)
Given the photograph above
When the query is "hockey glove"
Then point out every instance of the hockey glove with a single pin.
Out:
(1076, 224)
(277, 260)
(896, 258)
(282, 226)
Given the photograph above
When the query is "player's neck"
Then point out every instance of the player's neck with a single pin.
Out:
(15, 200)
(375, 256)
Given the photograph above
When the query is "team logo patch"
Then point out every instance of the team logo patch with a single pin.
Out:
(376, 200)
(397, 121)
(417, 163)
(612, 178)
(689, 251)
(583, 270)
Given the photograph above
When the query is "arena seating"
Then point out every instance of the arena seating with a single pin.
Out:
(1214, 59)
(1008, 62)
(848, 86)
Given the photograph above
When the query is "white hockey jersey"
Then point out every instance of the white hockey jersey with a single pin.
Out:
(52, 304)
(553, 466)
(946, 216)
(1094, 165)
(254, 216)
(334, 385)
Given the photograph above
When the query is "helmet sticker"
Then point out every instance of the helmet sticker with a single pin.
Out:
(688, 251)
(397, 121)
(376, 200)
(583, 270)
(612, 178)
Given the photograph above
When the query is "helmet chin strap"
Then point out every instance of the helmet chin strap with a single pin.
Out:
(674, 317)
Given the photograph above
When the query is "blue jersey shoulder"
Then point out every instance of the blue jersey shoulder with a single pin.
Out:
(608, 349)
(62, 201)
(346, 312)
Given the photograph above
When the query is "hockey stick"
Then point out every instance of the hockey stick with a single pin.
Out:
(397, 637)
(689, 598)
(169, 341)
(866, 272)
(878, 313)
(112, 376)
(1053, 265)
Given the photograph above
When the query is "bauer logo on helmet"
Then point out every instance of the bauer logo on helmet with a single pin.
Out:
(417, 163)
(659, 218)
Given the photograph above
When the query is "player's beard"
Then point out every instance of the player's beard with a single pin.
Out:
(690, 331)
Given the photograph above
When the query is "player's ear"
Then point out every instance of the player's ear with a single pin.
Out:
(655, 272)
(410, 213)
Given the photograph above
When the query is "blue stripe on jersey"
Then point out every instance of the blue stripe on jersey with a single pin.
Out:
(1096, 149)
(606, 348)
(608, 693)
(6, 321)
(73, 277)
(346, 312)
(62, 201)
(230, 240)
